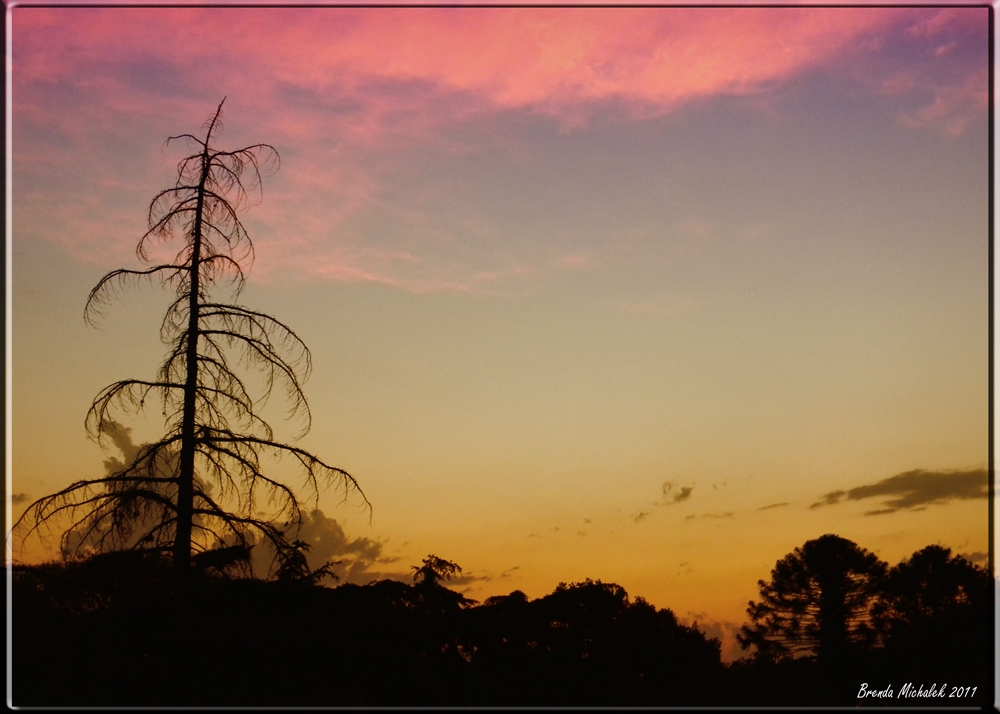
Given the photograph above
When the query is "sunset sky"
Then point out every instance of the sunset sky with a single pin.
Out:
(645, 295)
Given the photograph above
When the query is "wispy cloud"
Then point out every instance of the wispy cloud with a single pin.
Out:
(466, 579)
(726, 514)
(551, 60)
(670, 496)
(954, 107)
(914, 490)
(773, 505)
(350, 94)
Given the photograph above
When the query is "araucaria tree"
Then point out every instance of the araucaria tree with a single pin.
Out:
(819, 601)
(202, 484)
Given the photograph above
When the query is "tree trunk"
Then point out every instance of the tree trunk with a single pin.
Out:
(185, 476)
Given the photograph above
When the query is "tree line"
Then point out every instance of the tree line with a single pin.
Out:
(114, 630)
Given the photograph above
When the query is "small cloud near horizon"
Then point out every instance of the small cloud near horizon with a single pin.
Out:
(726, 514)
(773, 505)
(671, 497)
(723, 630)
(356, 559)
(914, 490)
(467, 579)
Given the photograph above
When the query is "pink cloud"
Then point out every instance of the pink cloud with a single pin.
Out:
(352, 89)
(954, 108)
(551, 60)
(951, 92)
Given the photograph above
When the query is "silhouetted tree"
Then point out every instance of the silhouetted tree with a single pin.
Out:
(293, 567)
(934, 613)
(203, 482)
(931, 584)
(817, 602)
(433, 570)
(439, 606)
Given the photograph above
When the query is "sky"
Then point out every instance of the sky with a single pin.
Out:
(645, 295)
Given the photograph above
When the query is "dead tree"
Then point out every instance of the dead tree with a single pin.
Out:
(201, 484)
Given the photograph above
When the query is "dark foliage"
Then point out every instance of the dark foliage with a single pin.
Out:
(937, 603)
(111, 630)
(386, 643)
(587, 644)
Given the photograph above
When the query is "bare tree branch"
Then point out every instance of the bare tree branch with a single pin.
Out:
(202, 483)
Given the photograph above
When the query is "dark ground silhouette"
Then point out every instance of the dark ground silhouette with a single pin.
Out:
(115, 630)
